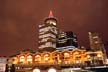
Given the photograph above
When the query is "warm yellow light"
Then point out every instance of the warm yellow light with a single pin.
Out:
(52, 70)
(37, 58)
(51, 22)
(88, 56)
(59, 61)
(36, 70)
(77, 61)
(71, 70)
(46, 57)
(54, 23)
(22, 58)
(99, 55)
(66, 54)
(29, 58)
(76, 53)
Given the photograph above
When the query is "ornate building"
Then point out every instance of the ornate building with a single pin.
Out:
(76, 58)
(50, 58)
(48, 33)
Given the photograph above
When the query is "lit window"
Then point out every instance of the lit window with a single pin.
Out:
(95, 37)
(88, 56)
(77, 61)
(74, 40)
(22, 58)
(46, 57)
(29, 58)
(36, 70)
(51, 22)
(52, 70)
(66, 55)
(76, 53)
(99, 55)
(37, 58)
(48, 44)
(96, 42)
(54, 23)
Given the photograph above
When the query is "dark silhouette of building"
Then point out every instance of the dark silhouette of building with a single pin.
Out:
(10, 68)
(66, 40)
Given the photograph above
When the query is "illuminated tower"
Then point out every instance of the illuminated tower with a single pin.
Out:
(95, 41)
(47, 33)
(96, 44)
(66, 41)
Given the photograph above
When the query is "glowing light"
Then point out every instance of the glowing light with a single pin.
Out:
(66, 54)
(29, 58)
(46, 57)
(37, 58)
(22, 59)
(51, 22)
(88, 56)
(36, 70)
(76, 53)
(99, 55)
(52, 70)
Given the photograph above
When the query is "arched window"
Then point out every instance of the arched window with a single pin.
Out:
(46, 57)
(77, 55)
(66, 54)
(29, 58)
(52, 70)
(66, 58)
(38, 58)
(22, 59)
(36, 70)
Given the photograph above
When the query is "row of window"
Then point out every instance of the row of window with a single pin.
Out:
(38, 58)
(47, 29)
(47, 35)
(46, 39)
(46, 57)
(47, 44)
(41, 25)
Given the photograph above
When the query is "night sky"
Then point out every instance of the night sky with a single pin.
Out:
(19, 20)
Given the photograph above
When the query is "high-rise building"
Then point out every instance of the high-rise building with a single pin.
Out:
(71, 39)
(48, 33)
(3, 62)
(66, 40)
(10, 68)
(68, 56)
(95, 41)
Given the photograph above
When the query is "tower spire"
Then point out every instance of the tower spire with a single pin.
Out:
(51, 13)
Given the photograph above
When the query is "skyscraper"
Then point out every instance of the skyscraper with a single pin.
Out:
(71, 39)
(95, 41)
(66, 57)
(48, 33)
(3, 62)
(66, 40)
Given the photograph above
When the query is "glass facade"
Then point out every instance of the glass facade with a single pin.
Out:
(66, 41)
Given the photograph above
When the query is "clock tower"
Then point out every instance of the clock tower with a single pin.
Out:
(48, 33)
